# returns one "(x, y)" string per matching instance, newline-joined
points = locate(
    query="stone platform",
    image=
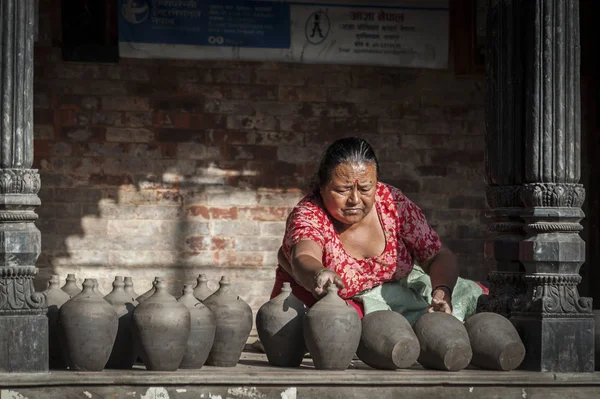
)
(254, 378)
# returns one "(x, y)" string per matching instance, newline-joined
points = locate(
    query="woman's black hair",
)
(345, 150)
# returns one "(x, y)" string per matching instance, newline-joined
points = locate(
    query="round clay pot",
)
(388, 341)
(234, 322)
(129, 288)
(444, 342)
(279, 326)
(202, 330)
(55, 298)
(201, 292)
(123, 353)
(96, 289)
(70, 286)
(150, 292)
(161, 329)
(90, 327)
(495, 342)
(332, 330)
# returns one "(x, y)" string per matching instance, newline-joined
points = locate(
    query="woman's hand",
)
(441, 301)
(323, 278)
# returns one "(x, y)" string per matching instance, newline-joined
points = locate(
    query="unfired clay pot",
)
(70, 286)
(202, 331)
(201, 292)
(90, 327)
(332, 330)
(161, 330)
(96, 288)
(234, 322)
(387, 341)
(495, 342)
(55, 298)
(444, 342)
(279, 327)
(150, 292)
(129, 288)
(123, 353)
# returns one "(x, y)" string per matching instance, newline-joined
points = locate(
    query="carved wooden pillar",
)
(533, 170)
(23, 322)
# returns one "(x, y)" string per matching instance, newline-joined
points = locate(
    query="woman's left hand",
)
(440, 302)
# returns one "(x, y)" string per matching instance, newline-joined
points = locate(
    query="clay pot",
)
(161, 330)
(234, 322)
(90, 327)
(444, 342)
(279, 326)
(129, 288)
(150, 292)
(55, 298)
(202, 330)
(387, 341)
(495, 342)
(96, 289)
(70, 286)
(332, 330)
(123, 352)
(201, 292)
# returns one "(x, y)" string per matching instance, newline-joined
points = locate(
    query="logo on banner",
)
(135, 11)
(317, 27)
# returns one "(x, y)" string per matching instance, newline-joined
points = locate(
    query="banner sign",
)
(285, 31)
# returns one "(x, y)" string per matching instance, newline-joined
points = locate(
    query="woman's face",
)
(350, 193)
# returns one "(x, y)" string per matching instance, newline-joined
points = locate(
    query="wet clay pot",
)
(387, 341)
(129, 288)
(150, 292)
(332, 330)
(495, 342)
(444, 342)
(202, 330)
(201, 292)
(161, 330)
(55, 298)
(90, 327)
(70, 286)
(234, 322)
(279, 326)
(123, 352)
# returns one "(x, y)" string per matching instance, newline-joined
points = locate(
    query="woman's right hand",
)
(323, 278)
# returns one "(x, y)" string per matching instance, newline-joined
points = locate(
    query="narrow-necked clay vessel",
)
(201, 292)
(129, 288)
(123, 353)
(150, 292)
(495, 342)
(90, 327)
(55, 298)
(234, 322)
(96, 289)
(332, 331)
(279, 327)
(70, 286)
(162, 329)
(388, 341)
(202, 331)
(444, 342)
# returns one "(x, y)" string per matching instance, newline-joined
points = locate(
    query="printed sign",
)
(285, 31)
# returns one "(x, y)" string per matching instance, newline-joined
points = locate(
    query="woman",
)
(365, 236)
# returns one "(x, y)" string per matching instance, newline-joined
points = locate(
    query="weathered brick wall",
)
(171, 168)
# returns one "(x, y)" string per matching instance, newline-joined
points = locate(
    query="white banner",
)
(407, 34)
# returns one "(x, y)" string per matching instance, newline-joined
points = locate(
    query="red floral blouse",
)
(408, 238)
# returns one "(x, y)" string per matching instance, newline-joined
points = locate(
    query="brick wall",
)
(171, 168)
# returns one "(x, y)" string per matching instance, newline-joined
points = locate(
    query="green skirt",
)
(412, 295)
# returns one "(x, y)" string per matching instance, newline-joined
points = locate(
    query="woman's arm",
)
(443, 271)
(307, 269)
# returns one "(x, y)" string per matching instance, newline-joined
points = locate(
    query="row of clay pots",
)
(89, 332)
(332, 332)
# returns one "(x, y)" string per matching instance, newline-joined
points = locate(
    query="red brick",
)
(208, 243)
(200, 89)
(99, 179)
(292, 93)
(182, 135)
(212, 213)
(328, 109)
(185, 104)
(237, 75)
(263, 213)
(239, 259)
(43, 116)
(235, 107)
(291, 77)
(128, 103)
(252, 122)
(249, 152)
(250, 92)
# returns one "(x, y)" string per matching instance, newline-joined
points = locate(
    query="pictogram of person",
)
(317, 26)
